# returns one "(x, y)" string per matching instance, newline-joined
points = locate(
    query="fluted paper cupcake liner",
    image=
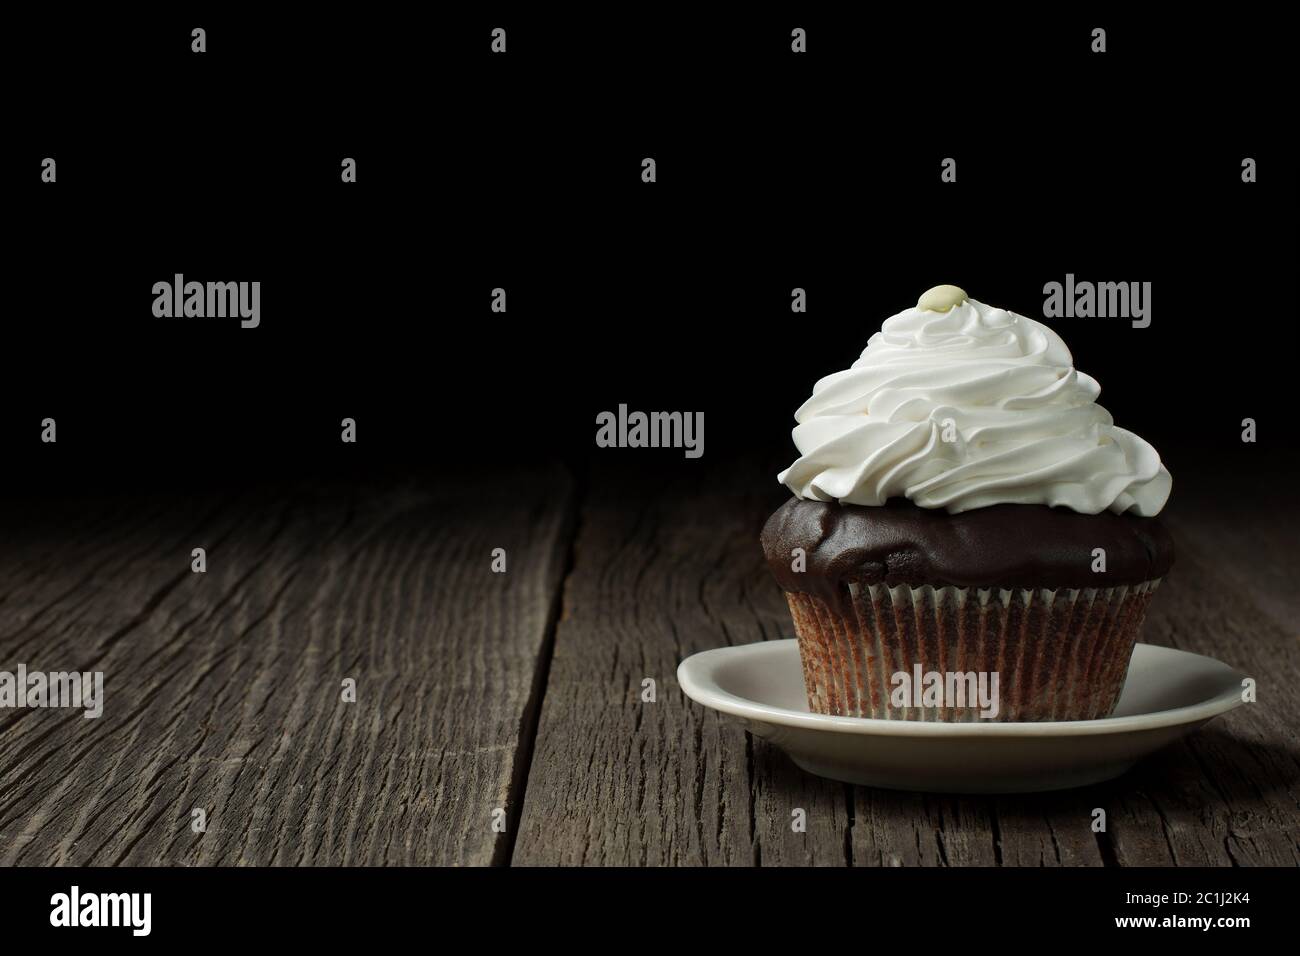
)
(1058, 654)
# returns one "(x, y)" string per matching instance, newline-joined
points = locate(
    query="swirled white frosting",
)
(965, 408)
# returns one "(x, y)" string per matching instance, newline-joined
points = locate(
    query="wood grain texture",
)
(666, 567)
(663, 568)
(223, 689)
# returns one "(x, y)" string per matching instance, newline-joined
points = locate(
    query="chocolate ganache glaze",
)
(1006, 546)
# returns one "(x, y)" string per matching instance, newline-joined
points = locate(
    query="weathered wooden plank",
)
(1047, 829)
(223, 690)
(893, 828)
(666, 564)
(912, 829)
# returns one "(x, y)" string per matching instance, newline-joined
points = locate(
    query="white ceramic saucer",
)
(1168, 694)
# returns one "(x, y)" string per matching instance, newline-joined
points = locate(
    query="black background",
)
(522, 171)
(592, 911)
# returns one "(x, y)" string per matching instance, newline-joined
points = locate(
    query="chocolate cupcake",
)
(971, 535)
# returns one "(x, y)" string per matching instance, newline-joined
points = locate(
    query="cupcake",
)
(971, 536)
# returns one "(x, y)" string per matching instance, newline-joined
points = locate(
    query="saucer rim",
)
(694, 675)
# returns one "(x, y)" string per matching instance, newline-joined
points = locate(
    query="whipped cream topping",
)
(964, 408)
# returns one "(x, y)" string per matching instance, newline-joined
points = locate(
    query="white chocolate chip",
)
(940, 299)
